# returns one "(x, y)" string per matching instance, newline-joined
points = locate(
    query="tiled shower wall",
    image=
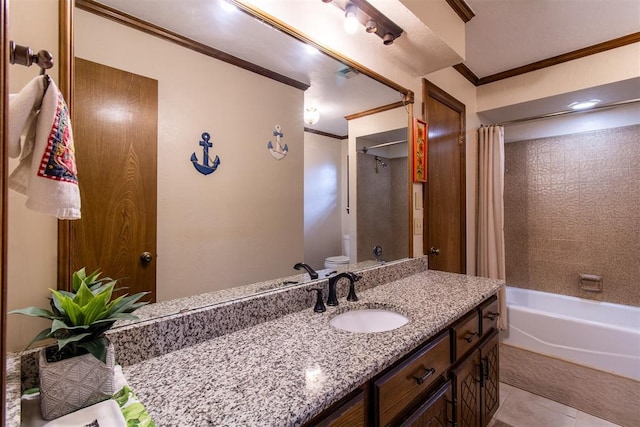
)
(572, 206)
(382, 208)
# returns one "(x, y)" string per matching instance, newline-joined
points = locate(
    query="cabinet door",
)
(490, 379)
(467, 391)
(435, 412)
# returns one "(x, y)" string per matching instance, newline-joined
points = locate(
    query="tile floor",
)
(519, 408)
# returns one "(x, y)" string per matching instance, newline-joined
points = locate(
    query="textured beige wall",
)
(572, 206)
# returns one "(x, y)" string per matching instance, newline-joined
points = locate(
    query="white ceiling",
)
(506, 34)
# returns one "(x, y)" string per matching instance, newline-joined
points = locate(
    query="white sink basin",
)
(369, 320)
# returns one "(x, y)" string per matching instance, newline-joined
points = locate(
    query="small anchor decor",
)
(205, 168)
(278, 152)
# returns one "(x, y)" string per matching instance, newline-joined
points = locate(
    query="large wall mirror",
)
(285, 189)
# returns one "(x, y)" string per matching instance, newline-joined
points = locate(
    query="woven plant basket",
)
(74, 383)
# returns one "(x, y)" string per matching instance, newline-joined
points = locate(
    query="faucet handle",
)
(319, 308)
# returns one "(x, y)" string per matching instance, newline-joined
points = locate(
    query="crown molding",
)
(555, 60)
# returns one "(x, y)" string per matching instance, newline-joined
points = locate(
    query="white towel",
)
(40, 133)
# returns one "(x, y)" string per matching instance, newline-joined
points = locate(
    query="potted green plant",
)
(79, 372)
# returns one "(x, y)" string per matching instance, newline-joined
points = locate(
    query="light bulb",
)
(350, 19)
(311, 115)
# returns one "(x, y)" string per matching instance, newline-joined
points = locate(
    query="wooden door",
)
(445, 198)
(115, 124)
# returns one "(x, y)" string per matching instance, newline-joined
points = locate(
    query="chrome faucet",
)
(311, 271)
(332, 299)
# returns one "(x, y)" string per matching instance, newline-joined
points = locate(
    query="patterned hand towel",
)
(40, 133)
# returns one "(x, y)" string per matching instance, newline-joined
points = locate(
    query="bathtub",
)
(600, 335)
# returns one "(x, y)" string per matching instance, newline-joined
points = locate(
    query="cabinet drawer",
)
(396, 390)
(465, 334)
(489, 313)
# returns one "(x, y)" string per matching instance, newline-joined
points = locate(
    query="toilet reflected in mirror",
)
(335, 262)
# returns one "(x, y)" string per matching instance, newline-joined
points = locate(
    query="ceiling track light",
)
(361, 12)
(371, 26)
(351, 22)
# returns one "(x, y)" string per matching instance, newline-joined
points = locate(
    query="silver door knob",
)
(146, 257)
(434, 251)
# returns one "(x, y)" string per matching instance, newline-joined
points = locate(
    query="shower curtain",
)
(490, 258)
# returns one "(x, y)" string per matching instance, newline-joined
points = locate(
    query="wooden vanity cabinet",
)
(451, 380)
(475, 374)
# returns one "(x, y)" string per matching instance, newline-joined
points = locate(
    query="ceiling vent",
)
(348, 72)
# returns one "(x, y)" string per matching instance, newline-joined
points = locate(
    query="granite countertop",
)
(287, 370)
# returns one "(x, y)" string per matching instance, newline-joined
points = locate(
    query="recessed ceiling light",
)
(583, 105)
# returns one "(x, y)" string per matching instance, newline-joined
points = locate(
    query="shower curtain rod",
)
(566, 112)
(385, 144)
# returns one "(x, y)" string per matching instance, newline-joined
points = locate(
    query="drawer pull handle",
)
(492, 316)
(469, 336)
(426, 375)
(485, 368)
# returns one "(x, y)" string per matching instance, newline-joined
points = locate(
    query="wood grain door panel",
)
(115, 118)
(445, 197)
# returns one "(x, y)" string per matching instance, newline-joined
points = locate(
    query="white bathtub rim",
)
(573, 318)
(618, 315)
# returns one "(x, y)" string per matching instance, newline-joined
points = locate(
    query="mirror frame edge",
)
(4, 85)
(66, 67)
(65, 71)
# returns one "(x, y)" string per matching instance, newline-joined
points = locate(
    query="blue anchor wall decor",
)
(205, 168)
(278, 152)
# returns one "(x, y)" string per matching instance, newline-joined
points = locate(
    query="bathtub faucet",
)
(301, 265)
